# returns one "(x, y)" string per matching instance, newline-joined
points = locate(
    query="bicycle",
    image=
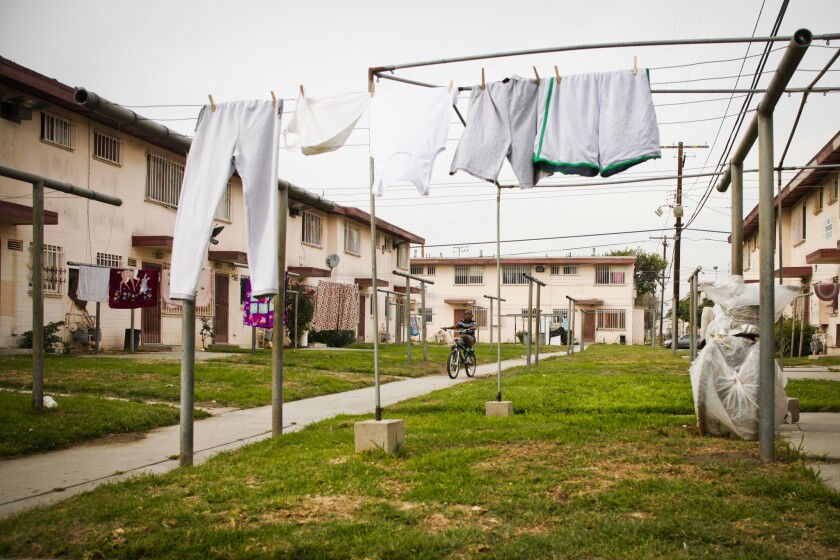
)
(460, 355)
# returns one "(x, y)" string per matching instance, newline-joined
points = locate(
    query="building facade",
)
(810, 242)
(602, 287)
(43, 131)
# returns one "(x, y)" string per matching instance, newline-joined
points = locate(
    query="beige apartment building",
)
(810, 240)
(602, 286)
(43, 131)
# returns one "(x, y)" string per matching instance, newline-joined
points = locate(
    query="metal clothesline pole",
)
(423, 283)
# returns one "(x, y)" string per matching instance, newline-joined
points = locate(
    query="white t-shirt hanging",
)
(323, 124)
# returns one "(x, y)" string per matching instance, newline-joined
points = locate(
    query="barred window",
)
(107, 147)
(430, 271)
(558, 314)
(610, 319)
(570, 270)
(798, 218)
(525, 312)
(818, 201)
(555, 270)
(833, 189)
(164, 176)
(175, 310)
(57, 130)
(104, 259)
(223, 209)
(429, 313)
(352, 238)
(513, 274)
(311, 232)
(53, 267)
(465, 275)
(416, 269)
(605, 274)
(402, 256)
(480, 316)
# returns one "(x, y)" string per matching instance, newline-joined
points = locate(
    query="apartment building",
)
(602, 286)
(44, 131)
(810, 246)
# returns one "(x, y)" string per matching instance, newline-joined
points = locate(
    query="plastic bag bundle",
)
(740, 301)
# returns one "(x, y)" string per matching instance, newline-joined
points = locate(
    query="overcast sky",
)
(163, 58)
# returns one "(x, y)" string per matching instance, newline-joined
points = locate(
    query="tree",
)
(685, 309)
(649, 267)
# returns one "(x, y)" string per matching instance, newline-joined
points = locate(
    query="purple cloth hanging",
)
(130, 288)
(258, 312)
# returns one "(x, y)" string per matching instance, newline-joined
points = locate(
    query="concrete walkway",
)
(50, 477)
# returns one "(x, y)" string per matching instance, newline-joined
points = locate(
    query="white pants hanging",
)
(241, 136)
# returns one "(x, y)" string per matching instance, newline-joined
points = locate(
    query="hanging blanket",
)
(827, 291)
(132, 288)
(336, 307)
(258, 312)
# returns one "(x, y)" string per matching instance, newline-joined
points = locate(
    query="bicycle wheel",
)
(469, 363)
(453, 364)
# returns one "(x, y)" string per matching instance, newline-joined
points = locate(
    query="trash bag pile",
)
(725, 374)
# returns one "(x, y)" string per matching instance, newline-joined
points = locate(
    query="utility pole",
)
(662, 299)
(678, 212)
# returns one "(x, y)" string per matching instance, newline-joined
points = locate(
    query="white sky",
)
(172, 54)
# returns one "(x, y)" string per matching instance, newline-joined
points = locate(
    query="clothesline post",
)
(253, 339)
(279, 328)
(423, 283)
(38, 296)
(98, 335)
(531, 282)
(187, 380)
(375, 284)
(408, 319)
(499, 407)
(423, 319)
(131, 334)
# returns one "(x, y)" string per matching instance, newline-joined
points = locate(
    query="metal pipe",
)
(279, 330)
(253, 339)
(539, 314)
(767, 369)
(423, 319)
(407, 320)
(675, 312)
(377, 71)
(59, 186)
(297, 308)
(378, 407)
(38, 296)
(792, 328)
(530, 318)
(798, 45)
(98, 333)
(692, 280)
(129, 119)
(737, 239)
(303, 196)
(653, 328)
(499, 290)
(187, 380)
(131, 347)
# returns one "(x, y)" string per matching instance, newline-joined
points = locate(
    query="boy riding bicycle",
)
(467, 327)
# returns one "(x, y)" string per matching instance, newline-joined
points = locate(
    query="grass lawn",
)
(77, 418)
(602, 459)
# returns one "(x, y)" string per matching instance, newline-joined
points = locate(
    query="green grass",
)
(77, 418)
(600, 460)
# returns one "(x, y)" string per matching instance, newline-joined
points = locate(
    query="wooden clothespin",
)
(451, 83)
(372, 87)
(302, 92)
(212, 103)
(273, 99)
(537, 74)
(557, 74)
(634, 65)
(482, 78)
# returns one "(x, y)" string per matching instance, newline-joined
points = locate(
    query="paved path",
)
(51, 477)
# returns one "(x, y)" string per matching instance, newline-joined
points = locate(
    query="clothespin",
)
(273, 99)
(372, 87)
(302, 93)
(212, 103)
(482, 78)
(537, 74)
(634, 65)
(557, 74)
(451, 83)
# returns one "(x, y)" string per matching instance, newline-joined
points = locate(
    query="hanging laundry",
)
(132, 288)
(93, 283)
(203, 293)
(595, 123)
(502, 124)
(258, 312)
(408, 130)
(414, 325)
(827, 291)
(73, 293)
(336, 307)
(241, 136)
(322, 124)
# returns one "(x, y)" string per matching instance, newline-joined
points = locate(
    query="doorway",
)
(588, 326)
(220, 311)
(150, 317)
(362, 318)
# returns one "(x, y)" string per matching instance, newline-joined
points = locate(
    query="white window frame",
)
(558, 314)
(107, 147)
(105, 259)
(164, 176)
(605, 323)
(469, 275)
(352, 238)
(512, 274)
(57, 130)
(797, 225)
(312, 227)
(223, 209)
(604, 275)
(403, 260)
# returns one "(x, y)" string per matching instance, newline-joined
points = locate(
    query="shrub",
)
(334, 338)
(305, 308)
(50, 338)
(807, 336)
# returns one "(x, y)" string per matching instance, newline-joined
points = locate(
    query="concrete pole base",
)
(499, 408)
(385, 435)
(793, 409)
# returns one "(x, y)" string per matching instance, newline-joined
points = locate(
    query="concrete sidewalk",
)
(817, 434)
(51, 477)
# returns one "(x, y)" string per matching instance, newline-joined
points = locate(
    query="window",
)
(747, 259)
(53, 270)
(513, 274)
(104, 259)
(430, 271)
(570, 270)
(605, 274)
(480, 316)
(818, 201)
(352, 238)
(558, 315)
(311, 232)
(610, 319)
(402, 256)
(525, 312)
(107, 147)
(798, 225)
(472, 274)
(57, 130)
(555, 270)
(164, 176)
(223, 209)
(429, 313)
(416, 269)
(833, 189)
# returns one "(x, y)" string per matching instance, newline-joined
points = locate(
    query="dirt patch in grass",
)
(721, 457)
(458, 515)
(315, 509)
